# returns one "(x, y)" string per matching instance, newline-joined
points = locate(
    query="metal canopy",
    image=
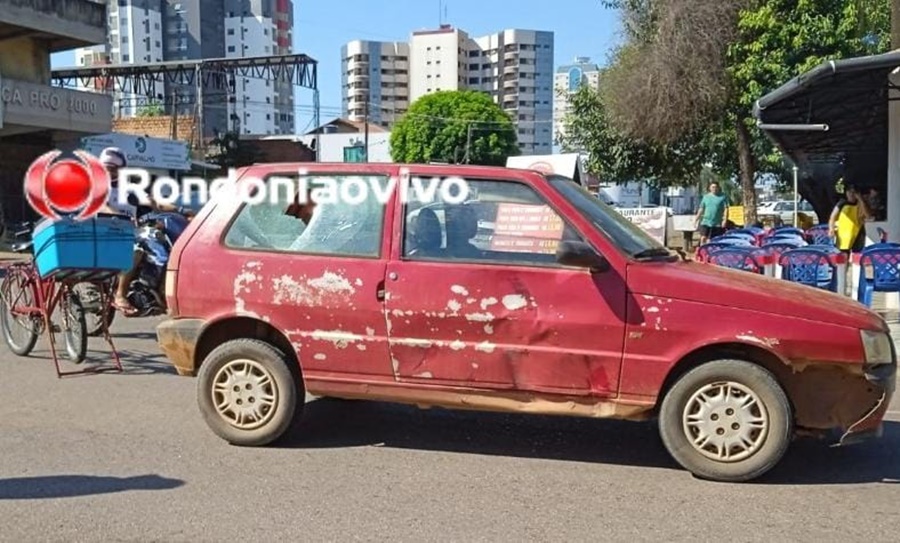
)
(299, 70)
(835, 114)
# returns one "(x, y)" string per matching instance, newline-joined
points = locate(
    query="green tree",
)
(697, 66)
(151, 109)
(456, 127)
(613, 157)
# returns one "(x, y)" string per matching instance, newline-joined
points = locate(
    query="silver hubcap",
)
(245, 394)
(725, 421)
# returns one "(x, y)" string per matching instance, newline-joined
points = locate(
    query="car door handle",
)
(379, 292)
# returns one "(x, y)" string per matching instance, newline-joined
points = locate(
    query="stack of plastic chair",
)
(707, 249)
(737, 258)
(818, 235)
(809, 266)
(884, 258)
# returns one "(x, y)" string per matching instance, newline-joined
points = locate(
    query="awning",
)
(833, 114)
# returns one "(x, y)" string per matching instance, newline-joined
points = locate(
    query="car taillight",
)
(171, 282)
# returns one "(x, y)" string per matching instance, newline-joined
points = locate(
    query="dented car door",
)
(475, 298)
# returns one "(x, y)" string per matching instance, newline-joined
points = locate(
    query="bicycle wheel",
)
(74, 328)
(20, 329)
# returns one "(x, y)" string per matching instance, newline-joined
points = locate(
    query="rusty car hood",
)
(716, 285)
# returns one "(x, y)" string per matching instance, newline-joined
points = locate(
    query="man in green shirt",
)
(713, 214)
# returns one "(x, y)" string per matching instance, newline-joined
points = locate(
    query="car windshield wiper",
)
(652, 252)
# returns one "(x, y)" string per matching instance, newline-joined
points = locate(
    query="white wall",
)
(332, 146)
(254, 98)
(434, 62)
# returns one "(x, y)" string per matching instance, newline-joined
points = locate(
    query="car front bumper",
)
(883, 378)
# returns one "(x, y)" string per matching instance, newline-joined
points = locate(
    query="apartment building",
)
(514, 66)
(568, 80)
(375, 76)
(148, 31)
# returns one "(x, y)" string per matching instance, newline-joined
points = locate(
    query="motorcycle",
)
(156, 235)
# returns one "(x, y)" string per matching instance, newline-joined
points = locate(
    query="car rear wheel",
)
(726, 420)
(248, 394)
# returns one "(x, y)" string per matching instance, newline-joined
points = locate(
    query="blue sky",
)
(322, 27)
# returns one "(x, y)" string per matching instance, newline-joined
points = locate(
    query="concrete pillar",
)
(892, 202)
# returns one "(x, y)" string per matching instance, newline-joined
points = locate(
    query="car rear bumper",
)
(177, 339)
(869, 426)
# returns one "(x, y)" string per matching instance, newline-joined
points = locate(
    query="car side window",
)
(318, 221)
(500, 222)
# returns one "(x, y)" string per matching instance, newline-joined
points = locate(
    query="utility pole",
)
(175, 116)
(366, 140)
(199, 76)
(796, 196)
(467, 158)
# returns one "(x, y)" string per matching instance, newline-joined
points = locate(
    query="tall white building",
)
(147, 31)
(375, 81)
(514, 66)
(568, 80)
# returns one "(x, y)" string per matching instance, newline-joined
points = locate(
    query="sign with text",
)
(651, 220)
(31, 104)
(142, 151)
(524, 228)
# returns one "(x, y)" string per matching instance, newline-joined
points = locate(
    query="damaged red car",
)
(528, 295)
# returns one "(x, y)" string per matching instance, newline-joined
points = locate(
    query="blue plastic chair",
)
(885, 262)
(754, 232)
(818, 235)
(707, 249)
(788, 230)
(734, 240)
(809, 266)
(737, 258)
(789, 240)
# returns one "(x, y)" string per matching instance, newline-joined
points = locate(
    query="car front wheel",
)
(248, 394)
(726, 420)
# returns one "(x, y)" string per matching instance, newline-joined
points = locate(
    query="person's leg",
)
(125, 280)
(704, 234)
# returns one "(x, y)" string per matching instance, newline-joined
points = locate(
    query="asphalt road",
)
(126, 457)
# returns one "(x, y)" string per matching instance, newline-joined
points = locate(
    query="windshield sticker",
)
(522, 228)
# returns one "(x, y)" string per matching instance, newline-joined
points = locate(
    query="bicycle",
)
(29, 303)
(88, 293)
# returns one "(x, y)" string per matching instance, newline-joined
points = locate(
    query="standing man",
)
(713, 214)
(847, 222)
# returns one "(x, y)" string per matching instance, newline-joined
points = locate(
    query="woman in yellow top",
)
(847, 222)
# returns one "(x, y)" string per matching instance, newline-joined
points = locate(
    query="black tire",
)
(768, 446)
(286, 385)
(74, 329)
(15, 290)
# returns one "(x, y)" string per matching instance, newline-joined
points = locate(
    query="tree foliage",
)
(613, 157)
(152, 109)
(689, 71)
(463, 126)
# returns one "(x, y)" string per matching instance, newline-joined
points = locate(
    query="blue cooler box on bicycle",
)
(101, 244)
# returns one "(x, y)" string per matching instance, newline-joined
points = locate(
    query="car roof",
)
(499, 172)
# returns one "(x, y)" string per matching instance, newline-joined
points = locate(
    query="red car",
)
(531, 296)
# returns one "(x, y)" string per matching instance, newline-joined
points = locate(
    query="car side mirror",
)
(581, 255)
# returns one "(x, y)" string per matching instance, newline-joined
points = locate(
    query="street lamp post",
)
(796, 201)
